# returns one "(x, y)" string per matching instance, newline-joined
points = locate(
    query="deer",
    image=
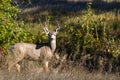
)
(44, 51)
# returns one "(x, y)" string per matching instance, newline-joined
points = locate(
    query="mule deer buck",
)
(35, 51)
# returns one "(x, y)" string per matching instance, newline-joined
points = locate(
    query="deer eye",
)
(49, 34)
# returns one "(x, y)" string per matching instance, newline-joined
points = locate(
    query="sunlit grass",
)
(32, 73)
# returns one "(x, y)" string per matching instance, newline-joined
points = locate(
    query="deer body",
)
(42, 51)
(32, 50)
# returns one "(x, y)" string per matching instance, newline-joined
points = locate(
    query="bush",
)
(93, 40)
(11, 30)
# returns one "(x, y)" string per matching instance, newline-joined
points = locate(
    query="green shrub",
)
(11, 30)
(90, 33)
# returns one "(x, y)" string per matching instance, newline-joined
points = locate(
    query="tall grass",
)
(34, 74)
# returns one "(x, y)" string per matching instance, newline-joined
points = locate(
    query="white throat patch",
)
(53, 41)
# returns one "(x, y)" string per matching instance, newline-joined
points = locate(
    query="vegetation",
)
(91, 39)
(11, 27)
(93, 36)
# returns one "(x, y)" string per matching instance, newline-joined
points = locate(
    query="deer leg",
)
(46, 66)
(18, 67)
(11, 64)
(14, 62)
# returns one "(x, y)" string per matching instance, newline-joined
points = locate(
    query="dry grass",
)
(30, 70)
(77, 75)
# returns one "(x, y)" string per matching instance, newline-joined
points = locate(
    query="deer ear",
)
(46, 30)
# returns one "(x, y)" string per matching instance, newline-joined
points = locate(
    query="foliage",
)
(10, 26)
(90, 35)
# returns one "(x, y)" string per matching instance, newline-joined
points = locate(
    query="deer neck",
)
(53, 45)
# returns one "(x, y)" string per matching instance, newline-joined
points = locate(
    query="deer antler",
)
(58, 28)
(46, 29)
